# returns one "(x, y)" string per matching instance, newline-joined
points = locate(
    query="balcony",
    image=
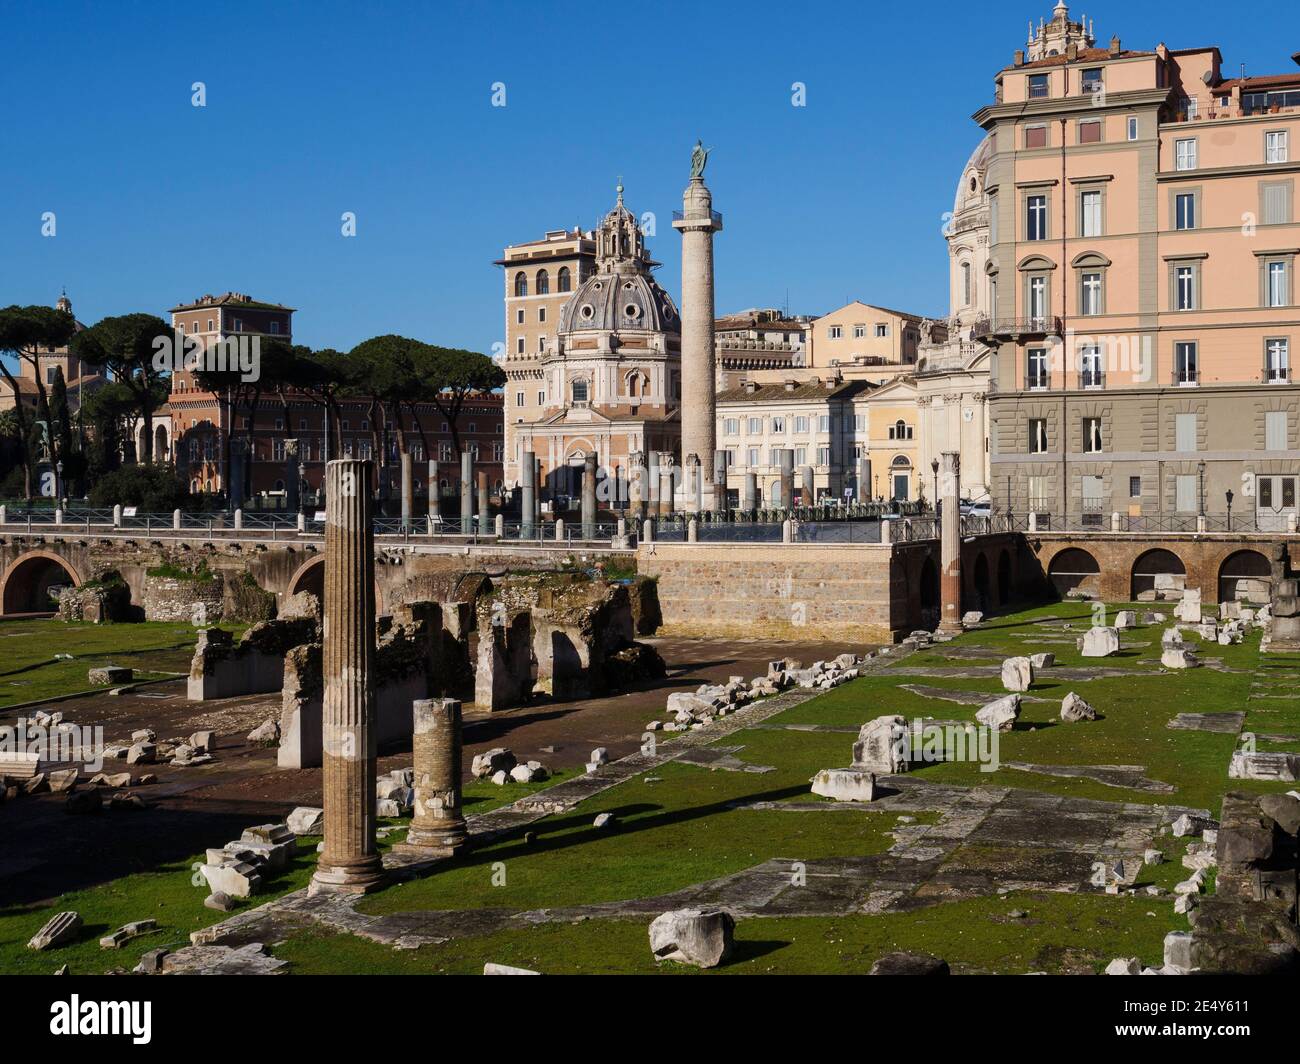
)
(990, 330)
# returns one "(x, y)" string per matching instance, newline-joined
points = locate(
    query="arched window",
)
(965, 284)
(543, 283)
(580, 391)
(521, 283)
(564, 283)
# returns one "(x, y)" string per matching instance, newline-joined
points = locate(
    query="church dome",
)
(621, 296)
(970, 186)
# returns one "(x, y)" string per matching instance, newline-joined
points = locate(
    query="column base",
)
(349, 879)
(438, 841)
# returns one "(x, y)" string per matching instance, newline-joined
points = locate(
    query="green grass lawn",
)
(678, 825)
(29, 671)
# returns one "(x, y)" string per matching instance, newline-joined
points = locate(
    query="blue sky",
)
(385, 110)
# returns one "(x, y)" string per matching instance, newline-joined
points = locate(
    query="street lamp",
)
(934, 468)
(1227, 495)
(58, 482)
(1200, 470)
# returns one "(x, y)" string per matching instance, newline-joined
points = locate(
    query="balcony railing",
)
(988, 329)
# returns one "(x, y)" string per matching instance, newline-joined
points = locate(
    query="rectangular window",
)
(835, 332)
(755, 426)
(751, 457)
(1276, 289)
(1036, 218)
(1090, 488)
(519, 316)
(1186, 369)
(1036, 367)
(882, 331)
(731, 426)
(1185, 288)
(1275, 430)
(801, 425)
(1185, 493)
(541, 398)
(1090, 213)
(1090, 293)
(1090, 373)
(1185, 432)
(778, 424)
(541, 314)
(1277, 360)
(1037, 491)
(1038, 299)
(1090, 132)
(993, 219)
(1276, 197)
(1132, 127)
(1185, 210)
(823, 456)
(800, 456)
(1092, 435)
(1038, 86)
(1275, 147)
(1090, 80)
(824, 423)
(859, 332)
(1135, 487)
(1035, 136)
(1185, 154)
(519, 398)
(1037, 435)
(519, 345)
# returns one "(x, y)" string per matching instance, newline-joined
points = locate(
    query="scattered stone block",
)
(151, 962)
(882, 746)
(845, 784)
(1000, 714)
(1100, 642)
(61, 780)
(1189, 826)
(1042, 661)
(1124, 966)
(307, 820)
(126, 932)
(1178, 657)
(58, 930)
(1259, 765)
(143, 753)
(82, 802)
(693, 936)
(204, 741)
(266, 733)
(905, 963)
(110, 674)
(239, 879)
(971, 618)
(505, 969)
(220, 901)
(490, 762)
(1185, 903)
(1125, 619)
(1074, 708)
(1017, 674)
(605, 820)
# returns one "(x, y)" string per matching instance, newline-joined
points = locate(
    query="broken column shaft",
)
(439, 825)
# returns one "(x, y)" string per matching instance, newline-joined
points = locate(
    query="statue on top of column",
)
(699, 159)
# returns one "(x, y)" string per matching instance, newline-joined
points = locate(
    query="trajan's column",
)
(698, 222)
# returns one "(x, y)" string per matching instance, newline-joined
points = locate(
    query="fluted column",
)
(482, 485)
(785, 478)
(950, 543)
(406, 472)
(350, 862)
(589, 496)
(438, 825)
(528, 494)
(434, 489)
(665, 482)
(636, 486)
(466, 490)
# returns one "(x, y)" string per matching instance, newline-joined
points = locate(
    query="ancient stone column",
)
(528, 494)
(589, 496)
(406, 472)
(749, 496)
(719, 480)
(466, 490)
(785, 478)
(697, 225)
(865, 494)
(537, 495)
(438, 826)
(434, 489)
(806, 490)
(350, 862)
(665, 482)
(950, 531)
(692, 489)
(636, 486)
(482, 502)
(292, 485)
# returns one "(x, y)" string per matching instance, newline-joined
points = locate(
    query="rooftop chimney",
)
(1020, 57)
(1114, 45)
(791, 385)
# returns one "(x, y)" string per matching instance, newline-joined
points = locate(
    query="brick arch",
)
(1071, 566)
(302, 581)
(1154, 563)
(1256, 571)
(19, 578)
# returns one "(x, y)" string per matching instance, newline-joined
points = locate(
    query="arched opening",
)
(521, 283)
(1075, 570)
(1004, 578)
(563, 282)
(33, 583)
(900, 478)
(1245, 576)
(982, 583)
(543, 283)
(311, 577)
(1158, 574)
(929, 592)
(160, 443)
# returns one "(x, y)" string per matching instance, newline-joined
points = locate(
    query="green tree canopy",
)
(128, 347)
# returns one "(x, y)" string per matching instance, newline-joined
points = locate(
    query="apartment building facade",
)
(1141, 283)
(864, 342)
